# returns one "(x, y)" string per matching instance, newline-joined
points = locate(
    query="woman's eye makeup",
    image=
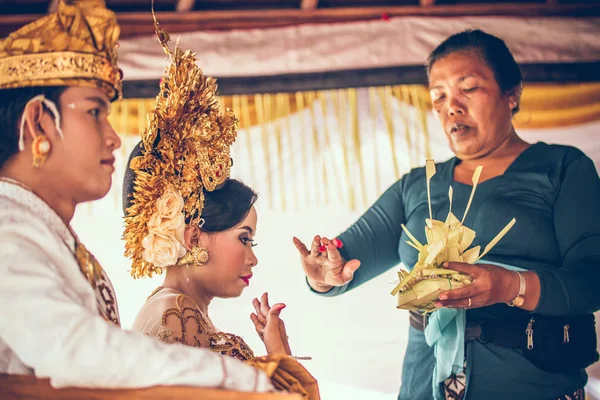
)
(246, 240)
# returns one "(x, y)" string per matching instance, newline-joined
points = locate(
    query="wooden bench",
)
(31, 388)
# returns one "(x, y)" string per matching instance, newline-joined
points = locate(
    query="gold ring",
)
(469, 302)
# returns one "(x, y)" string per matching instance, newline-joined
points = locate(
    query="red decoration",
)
(337, 243)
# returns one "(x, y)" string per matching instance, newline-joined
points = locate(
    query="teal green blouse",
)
(553, 191)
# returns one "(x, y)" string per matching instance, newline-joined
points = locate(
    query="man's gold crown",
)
(76, 46)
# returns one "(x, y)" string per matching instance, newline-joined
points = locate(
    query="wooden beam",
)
(388, 76)
(309, 4)
(185, 5)
(140, 23)
(14, 387)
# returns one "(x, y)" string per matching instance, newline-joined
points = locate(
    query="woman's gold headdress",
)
(76, 46)
(185, 150)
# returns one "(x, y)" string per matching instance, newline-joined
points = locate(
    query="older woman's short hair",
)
(490, 49)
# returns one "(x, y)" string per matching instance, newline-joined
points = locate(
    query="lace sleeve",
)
(182, 322)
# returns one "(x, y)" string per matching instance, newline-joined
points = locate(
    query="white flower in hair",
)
(163, 245)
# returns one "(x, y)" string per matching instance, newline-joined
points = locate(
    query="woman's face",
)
(231, 259)
(474, 113)
(84, 160)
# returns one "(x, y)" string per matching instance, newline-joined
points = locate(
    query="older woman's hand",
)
(491, 284)
(323, 265)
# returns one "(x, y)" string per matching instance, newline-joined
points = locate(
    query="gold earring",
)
(197, 256)
(40, 148)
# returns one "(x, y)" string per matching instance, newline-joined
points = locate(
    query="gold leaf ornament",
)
(186, 146)
(447, 241)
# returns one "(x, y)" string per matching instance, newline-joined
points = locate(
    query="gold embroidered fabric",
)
(76, 46)
(185, 324)
(286, 373)
(106, 300)
(92, 270)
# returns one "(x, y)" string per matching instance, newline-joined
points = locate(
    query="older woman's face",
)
(466, 99)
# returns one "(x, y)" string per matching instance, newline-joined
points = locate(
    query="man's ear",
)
(37, 120)
(32, 120)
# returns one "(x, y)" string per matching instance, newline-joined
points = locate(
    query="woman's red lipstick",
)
(246, 279)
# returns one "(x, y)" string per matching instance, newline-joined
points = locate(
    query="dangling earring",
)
(40, 148)
(197, 256)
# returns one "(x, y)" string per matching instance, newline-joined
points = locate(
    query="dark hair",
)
(224, 207)
(490, 49)
(12, 103)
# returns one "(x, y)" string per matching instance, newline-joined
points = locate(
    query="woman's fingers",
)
(264, 304)
(301, 247)
(467, 302)
(314, 248)
(333, 254)
(257, 307)
(273, 316)
(257, 325)
(348, 270)
(460, 293)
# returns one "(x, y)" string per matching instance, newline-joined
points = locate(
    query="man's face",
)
(84, 160)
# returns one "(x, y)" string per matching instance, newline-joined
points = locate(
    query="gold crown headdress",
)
(446, 241)
(185, 150)
(76, 46)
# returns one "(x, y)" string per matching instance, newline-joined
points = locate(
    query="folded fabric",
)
(287, 374)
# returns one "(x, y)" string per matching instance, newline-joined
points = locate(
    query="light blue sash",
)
(445, 332)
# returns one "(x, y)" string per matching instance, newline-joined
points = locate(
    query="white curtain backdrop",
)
(361, 44)
(357, 341)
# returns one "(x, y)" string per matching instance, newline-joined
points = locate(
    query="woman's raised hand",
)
(323, 265)
(269, 326)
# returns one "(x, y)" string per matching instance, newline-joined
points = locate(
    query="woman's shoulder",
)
(169, 300)
(162, 303)
(169, 315)
(553, 158)
(554, 152)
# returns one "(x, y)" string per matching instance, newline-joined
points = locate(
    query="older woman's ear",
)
(515, 98)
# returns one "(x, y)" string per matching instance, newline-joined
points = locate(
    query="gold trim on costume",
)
(200, 334)
(74, 46)
(42, 69)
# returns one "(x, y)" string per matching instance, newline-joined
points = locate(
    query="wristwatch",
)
(520, 299)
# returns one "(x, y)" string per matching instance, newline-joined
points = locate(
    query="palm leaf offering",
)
(446, 241)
